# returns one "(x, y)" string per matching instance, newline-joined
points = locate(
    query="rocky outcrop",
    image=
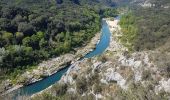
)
(164, 84)
(44, 69)
(107, 70)
(5, 85)
(117, 67)
(111, 75)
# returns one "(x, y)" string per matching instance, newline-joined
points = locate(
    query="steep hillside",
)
(34, 31)
(117, 74)
(149, 3)
(147, 25)
(45, 3)
(136, 65)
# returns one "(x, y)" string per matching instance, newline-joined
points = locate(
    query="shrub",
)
(97, 88)
(81, 85)
(146, 75)
(60, 89)
(44, 96)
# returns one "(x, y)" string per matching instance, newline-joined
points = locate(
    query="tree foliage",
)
(29, 33)
(146, 28)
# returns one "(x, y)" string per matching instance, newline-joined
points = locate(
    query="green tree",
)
(19, 36)
(27, 41)
(43, 43)
(35, 41)
(26, 28)
(7, 36)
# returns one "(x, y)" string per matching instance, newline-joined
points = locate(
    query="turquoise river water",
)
(46, 82)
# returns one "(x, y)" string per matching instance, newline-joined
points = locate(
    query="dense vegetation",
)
(129, 30)
(33, 31)
(142, 29)
(146, 28)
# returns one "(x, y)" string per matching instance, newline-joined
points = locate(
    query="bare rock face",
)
(164, 84)
(7, 84)
(111, 75)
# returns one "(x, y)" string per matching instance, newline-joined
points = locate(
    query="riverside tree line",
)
(34, 31)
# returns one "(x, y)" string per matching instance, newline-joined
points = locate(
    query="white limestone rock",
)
(163, 84)
(115, 76)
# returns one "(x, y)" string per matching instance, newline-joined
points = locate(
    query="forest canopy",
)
(32, 31)
(146, 28)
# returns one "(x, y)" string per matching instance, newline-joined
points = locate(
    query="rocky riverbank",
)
(118, 70)
(104, 63)
(81, 52)
(116, 74)
(49, 67)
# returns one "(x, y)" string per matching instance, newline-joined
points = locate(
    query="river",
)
(46, 82)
